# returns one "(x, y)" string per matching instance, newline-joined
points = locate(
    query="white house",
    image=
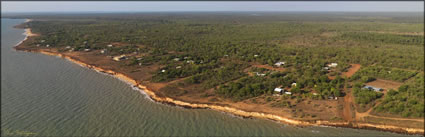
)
(280, 63)
(110, 45)
(47, 45)
(118, 58)
(294, 84)
(260, 74)
(288, 93)
(103, 51)
(280, 90)
(176, 59)
(332, 65)
(255, 55)
(163, 70)
(86, 50)
(67, 47)
(373, 88)
(178, 67)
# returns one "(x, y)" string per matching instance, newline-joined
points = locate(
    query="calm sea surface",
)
(49, 96)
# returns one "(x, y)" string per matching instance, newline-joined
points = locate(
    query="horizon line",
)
(193, 11)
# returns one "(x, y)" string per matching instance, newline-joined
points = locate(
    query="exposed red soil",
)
(352, 70)
(142, 74)
(385, 84)
(347, 110)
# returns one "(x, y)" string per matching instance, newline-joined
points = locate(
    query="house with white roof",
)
(332, 65)
(279, 90)
(103, 51)
(373, 88)
(280, 63)
(260, 74)
(118, 58)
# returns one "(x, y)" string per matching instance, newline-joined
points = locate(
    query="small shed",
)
(314, 93)
(103, 51)
(279, 90)
(372, 88)
(260, 74)
(118, 58)
(280, 63)
(332, 65)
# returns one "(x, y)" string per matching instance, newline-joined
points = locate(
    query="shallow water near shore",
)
(49, 96)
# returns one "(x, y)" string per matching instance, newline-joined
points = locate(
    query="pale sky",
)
(149, 6)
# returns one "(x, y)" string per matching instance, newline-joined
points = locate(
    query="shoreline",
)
(166, 100)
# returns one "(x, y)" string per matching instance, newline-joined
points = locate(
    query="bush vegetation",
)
(214, 49)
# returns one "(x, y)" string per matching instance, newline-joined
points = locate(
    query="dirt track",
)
(354, 68)
(268, 67)
(347, 110)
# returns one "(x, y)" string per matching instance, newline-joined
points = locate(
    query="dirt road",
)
(351, 71)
